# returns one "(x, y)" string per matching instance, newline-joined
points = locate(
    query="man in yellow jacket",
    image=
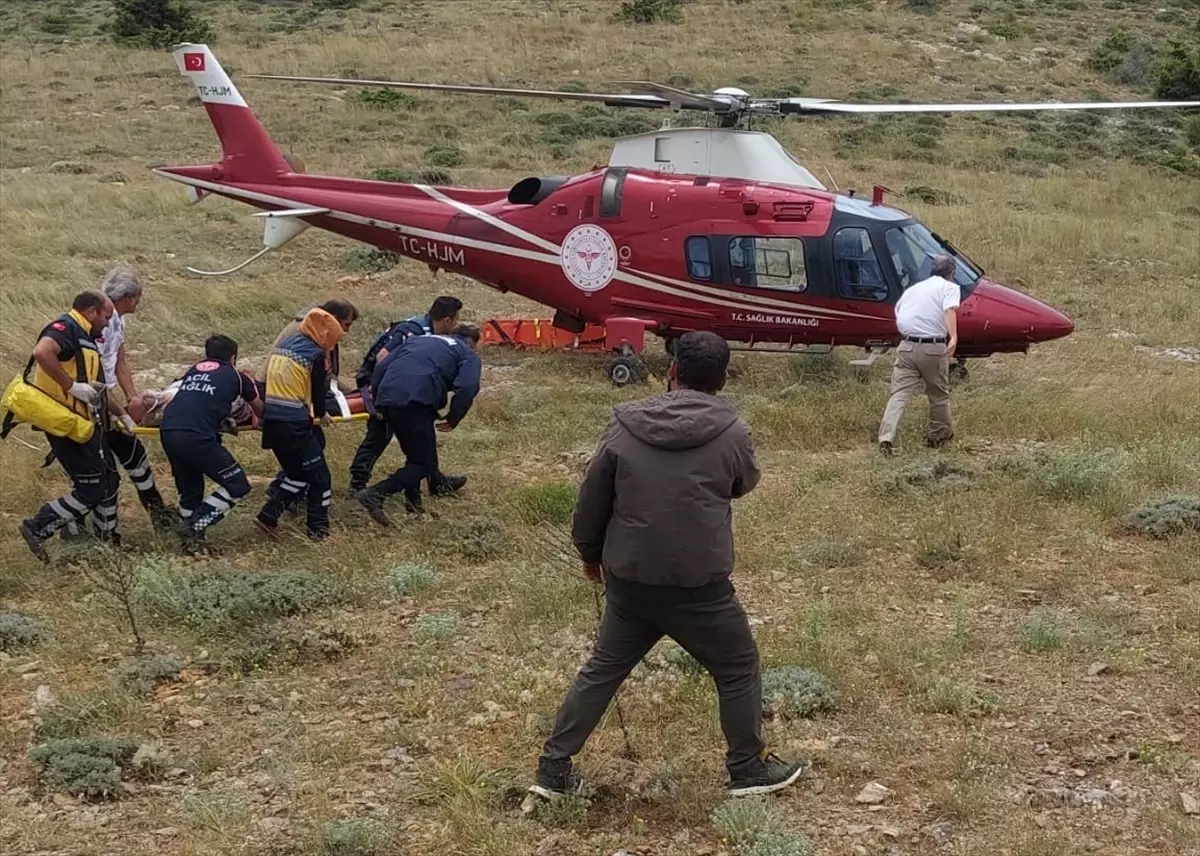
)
(68, 369)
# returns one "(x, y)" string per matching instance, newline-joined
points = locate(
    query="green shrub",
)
(793, 692)
(939, 553)
(651, 11)
(1191, 132)
(567, 810)
(89, 768)
(445, 156)
(142, 674)
(1177, 75)
(752, 828)
(1111, 52)
(1162, 518)
(383, 98)
(370, 260)
(830, 553)
(352, 837)
(938, 473)
(680, 660)
(551, 502)
(229, 599)
(431, 625)
(958, 698)
(404, 580)
(477, 540)
(923, 7)
(21, 631)
(932, 195)
(157, 23)
(293, 646)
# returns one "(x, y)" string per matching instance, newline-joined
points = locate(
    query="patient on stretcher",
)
(147, 408)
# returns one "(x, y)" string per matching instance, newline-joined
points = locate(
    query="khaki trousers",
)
(917, 367)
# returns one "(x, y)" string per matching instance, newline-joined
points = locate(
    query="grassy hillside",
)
(1017, 667)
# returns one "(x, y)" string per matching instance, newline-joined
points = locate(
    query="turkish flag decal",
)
(193, 62)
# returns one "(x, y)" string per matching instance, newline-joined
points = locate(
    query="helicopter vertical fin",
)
(249, 152)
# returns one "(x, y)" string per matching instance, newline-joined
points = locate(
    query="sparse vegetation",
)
(1040, 633)
(370, 260)
(21, 631)
(384, 99)
(752, 828)
(552, 502)
(90, 768)
(651, 11)
(1077, 475)
(352, 837)
(476, 540)
(435, 626)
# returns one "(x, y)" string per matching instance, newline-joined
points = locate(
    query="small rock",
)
(295, 697)
(273, 824)
(940, 834)
(69, 168)
(195, 723)
(44, 697)
(254, 709)
(167, 831)
(1098, 668)
(969, 28)
(1189, 803)
(872, 794)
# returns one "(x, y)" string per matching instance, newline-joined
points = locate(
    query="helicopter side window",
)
(777, 263)
(610, 193)
(698, 251)
(859, 276)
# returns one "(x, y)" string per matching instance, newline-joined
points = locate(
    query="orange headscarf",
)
(322, 328)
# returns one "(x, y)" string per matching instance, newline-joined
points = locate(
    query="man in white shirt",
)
(927, 318)
(122, 287)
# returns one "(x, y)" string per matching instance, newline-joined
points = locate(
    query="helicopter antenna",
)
(832, 180)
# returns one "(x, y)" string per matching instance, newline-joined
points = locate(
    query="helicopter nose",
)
(1005, 314)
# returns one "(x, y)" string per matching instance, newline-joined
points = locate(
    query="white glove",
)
(85, 392)
(129, 424)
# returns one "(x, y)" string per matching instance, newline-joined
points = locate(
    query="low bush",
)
(830, 553)
(431, 625)
(937, 473)
(83, 714)
(412, 176)
(679, 659)
(404, 580)
(230, 599)
(1177, 74)
(1077, 474)
(792, 692)
(88, 768)
(157, 23)
(1040, 633)
(383, 99)
(21, 631)
(650, 11)
(1162, 518)
(370, 260)
(751, 827)
(476, 540)
(142, 674)
(352, 837)
(932, 195)
(445, 156)
(293, 646)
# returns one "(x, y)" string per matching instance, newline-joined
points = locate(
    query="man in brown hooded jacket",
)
(653, 524)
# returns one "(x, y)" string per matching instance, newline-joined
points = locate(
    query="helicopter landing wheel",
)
(958, 371)
(626, 370)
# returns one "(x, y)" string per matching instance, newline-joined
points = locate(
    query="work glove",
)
(130, 425)
(85, 392)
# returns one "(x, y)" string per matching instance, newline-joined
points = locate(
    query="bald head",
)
(942, 266)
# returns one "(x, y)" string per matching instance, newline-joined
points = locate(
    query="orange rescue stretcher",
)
(540, 333)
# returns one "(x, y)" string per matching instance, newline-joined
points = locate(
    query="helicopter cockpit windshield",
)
(912, 248)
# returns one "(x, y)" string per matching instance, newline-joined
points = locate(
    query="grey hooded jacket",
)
(654, 506)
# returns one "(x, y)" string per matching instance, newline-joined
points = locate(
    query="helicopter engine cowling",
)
(531, 191)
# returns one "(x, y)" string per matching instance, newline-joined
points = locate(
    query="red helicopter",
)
(684, 229)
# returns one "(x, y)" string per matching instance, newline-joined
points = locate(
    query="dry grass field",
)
(1020, 670)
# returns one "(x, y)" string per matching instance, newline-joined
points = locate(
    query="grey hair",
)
(121, 282)
(942, 265)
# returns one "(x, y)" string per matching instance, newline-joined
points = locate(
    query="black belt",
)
(926, 340)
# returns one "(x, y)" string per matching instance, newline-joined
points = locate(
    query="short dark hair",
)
(86, 300)
(466, 331)
(342, 310)
(444, 307)
(219, 347)
(701, 360)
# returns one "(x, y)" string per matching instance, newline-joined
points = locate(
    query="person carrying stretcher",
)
(191, 436)
(295, 395)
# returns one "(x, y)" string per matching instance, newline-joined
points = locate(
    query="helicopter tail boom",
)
(249, 153)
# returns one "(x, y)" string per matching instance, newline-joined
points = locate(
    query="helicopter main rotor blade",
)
(680, 97)
(820, 105)
(612, 100)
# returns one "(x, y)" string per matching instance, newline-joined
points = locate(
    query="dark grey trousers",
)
(708, 622)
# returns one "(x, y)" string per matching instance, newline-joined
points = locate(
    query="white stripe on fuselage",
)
(746, 303)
